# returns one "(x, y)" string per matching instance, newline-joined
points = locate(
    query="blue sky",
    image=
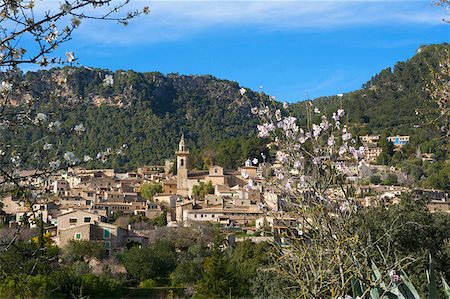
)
(295, 50)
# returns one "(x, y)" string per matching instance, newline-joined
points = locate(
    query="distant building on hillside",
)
(371, 148)
(398, 141)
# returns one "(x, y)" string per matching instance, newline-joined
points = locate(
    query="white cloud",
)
(174, 20)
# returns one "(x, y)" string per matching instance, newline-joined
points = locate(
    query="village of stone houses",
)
(84, 204)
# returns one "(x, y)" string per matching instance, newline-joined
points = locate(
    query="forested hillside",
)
(149, 111)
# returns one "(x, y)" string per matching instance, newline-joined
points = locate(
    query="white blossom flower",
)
(66, 7)
(394, 276)
(357, 153)
(70, 57)
(242, 91)
(40, 118)
(17, 53)
(285, 105)
(340, 166)
(272, 98)
(264, 111)
(265, 129)
(87, 158)
(278, 115)
(331, 141)
(255, 161)
(316, 130)
(324, 124)
(340, 112)
(47, 146)
(282, 156)
(79, 128)
(71, 158)
(298, 163)
(288, 185)
(344, 207)
(52, 36)
(16, 160)
(54, 125)
(343, 149)
(254, 110)
(108, 81)
(5, 86)
(250, 183)
(75, 21)
(316, 110)
(346, 136)
(288, 124)
(54, 165)
(302, 179)
(244, 174)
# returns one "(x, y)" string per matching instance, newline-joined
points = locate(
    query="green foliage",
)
(230, 153)
(24, 286)
(270, 284)
(25, 258)
(187, 272)
(58, 284)
(408, 230)
(155, 261)
(246, 258)
(83, 250)
(202, 189)
(387, 151)
(148, 190)
(156, 108)
(160, 220)
(218, 281)
(375, 179)
(391, 179)
(438, 176)
(148, 284)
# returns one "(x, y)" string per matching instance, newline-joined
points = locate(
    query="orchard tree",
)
(30, 33)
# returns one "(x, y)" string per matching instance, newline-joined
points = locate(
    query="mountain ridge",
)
(150, 110)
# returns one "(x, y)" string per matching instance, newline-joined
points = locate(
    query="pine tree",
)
(217, 281)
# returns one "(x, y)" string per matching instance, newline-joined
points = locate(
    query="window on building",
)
(107, 244)
(87, 219)
(73, 220)
(106, 233)
(78, 236)
(182, 162)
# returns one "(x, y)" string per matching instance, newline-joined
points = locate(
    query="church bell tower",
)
(182, 171)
